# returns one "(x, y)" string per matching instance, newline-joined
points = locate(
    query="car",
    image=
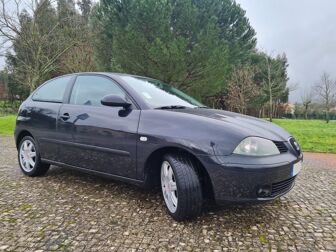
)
(145, 132)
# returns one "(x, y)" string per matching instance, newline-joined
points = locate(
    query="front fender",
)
(197, 135)
(154, 144)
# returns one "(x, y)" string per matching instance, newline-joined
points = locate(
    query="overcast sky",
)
(304, 29)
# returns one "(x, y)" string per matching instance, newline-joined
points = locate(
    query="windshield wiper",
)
(172, 107)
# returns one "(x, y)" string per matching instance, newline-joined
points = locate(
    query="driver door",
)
(100, 138)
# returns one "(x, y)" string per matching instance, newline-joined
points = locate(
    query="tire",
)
(186, 201)
(28, 150)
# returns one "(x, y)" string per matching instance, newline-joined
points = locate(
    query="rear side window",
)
(52, 91)
(89, 90)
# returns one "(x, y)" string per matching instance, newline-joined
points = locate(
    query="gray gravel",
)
(69, 211)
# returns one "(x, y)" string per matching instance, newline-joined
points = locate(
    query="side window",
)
(89, 90)
(52, 91)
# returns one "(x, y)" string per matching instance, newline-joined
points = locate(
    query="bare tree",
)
(275, 83)
(78, 59)
(306, 99)
(326, 90)
(42, 49)
(242, 89)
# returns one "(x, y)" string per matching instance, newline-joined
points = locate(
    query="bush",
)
(9, 107)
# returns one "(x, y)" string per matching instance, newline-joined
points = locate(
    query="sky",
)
(303, 29)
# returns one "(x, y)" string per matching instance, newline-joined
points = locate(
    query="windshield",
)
(159, 95)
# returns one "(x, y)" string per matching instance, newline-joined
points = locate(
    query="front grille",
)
(295, 146)
(282, 186)
(281, 146)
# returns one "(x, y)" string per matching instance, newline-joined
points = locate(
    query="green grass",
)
(7, 125)
(312, 135)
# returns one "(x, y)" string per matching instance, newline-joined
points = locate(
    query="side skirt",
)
(97, 173)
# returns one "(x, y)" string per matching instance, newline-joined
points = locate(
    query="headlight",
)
(256, 146)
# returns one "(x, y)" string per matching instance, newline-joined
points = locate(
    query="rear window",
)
(52, 91)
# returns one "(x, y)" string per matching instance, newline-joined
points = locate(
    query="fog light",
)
(264, 191)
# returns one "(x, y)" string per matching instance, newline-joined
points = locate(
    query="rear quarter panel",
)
(39, 119)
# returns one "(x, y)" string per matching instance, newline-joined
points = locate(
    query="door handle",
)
(65, 116)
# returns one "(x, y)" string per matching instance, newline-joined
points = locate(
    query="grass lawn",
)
(312, 135)
(7, 124)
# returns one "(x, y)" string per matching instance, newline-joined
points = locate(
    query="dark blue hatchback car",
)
(145, 132)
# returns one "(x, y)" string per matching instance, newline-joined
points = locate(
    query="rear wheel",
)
(29, 158)
(181, 187)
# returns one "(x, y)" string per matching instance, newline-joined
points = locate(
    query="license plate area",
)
(296, 168)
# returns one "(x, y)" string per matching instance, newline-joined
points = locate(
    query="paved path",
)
(66, 210)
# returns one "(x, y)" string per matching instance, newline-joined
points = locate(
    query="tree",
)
(192, 45)
(35, 39)
(85, 7)
(273, 77)
(242, 90)
(74, 27)
(205, 48)
(15, 90)
(306, 99)
(326, 90)
(102, 39)
(236, 29)
(78, 59)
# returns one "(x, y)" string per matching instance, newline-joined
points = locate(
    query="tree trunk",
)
(263, 112)
(306, 112)
(327, 115)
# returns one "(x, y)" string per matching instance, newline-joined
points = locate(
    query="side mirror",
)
(115, 101)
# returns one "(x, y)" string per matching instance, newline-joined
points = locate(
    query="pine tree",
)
(189, 44)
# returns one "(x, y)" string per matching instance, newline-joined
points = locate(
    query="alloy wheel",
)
(169, 187)
(27, 155)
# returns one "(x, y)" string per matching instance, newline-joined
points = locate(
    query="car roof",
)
(111, 74)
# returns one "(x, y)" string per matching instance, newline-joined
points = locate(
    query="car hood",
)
(246, 125)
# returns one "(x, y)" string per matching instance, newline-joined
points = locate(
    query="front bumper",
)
(249, 179)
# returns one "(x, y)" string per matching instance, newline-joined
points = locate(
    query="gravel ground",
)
(69, 211)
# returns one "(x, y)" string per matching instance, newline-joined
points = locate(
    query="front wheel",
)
(181, 187)
(29, 158)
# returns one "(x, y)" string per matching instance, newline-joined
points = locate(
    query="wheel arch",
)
(153, 164)
(21, 135)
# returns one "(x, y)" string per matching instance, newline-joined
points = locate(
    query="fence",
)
(319, 116)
